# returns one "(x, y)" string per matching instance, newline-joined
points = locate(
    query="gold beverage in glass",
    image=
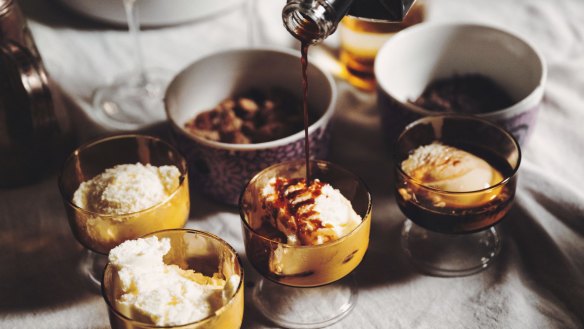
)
(190, 249)
(362, 38)
(101, 232)
(316, 268)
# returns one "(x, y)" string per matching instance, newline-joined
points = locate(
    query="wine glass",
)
(447, 232)
(253, 19)
(297, 279)
(99, 233)
(134, 100)
(190, 249)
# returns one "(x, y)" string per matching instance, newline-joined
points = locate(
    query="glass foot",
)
(449, 255)
(133, 101)
(91, 266)
(317, 307)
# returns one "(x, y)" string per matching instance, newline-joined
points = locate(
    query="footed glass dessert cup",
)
(298, 278)
(450, 229)
(100, 232)
(190, 249)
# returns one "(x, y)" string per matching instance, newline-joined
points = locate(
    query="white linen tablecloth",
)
(537, 281)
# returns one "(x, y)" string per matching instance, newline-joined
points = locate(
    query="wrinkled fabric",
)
(537, 281)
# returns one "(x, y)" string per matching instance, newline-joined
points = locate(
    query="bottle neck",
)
(312, 21)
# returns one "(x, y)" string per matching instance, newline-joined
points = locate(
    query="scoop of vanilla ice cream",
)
(137, 257)
(127, 188)
(307, 216)
(450, 169)
(165, 295)
(335, 210)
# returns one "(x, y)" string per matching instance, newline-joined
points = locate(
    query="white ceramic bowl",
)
(152, 12)
(413, 58)
(221, 170)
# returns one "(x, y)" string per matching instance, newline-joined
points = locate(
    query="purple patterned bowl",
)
(221, 170)
(413, 58)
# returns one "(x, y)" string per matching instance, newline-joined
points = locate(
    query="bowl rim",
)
(535, 94)
(321, 122)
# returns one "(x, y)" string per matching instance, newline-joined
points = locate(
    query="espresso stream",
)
(304, 62)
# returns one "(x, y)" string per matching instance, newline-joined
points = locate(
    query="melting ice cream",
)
(450, 169)
(161, 294)
(305, 215)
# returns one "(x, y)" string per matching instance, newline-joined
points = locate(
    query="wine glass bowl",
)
(442, 219)
(190, 249)
(99, 232)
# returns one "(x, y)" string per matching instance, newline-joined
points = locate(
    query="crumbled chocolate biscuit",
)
(253, 117)
(468, 94)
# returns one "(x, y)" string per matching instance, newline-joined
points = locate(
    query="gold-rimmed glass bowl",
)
(453, 233)
(190, 249)
(99, 233)
(300, 276)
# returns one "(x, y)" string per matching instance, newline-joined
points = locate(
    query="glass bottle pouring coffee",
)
(302, 274)
(312, 21)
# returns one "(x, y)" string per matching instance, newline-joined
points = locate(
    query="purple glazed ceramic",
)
(415, 57)
(221, 170)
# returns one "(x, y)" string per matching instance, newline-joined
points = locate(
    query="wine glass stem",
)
(250, 8)
(134, 27)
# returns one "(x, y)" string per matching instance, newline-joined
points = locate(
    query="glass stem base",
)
(91, 267)
(449, 255)
(133, 101)
(317, 307)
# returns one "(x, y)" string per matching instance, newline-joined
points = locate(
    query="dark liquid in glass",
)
(472, 215)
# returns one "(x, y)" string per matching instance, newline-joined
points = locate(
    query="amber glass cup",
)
(449, 233)
(190, 249)
(99, 233)
(300, 277)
